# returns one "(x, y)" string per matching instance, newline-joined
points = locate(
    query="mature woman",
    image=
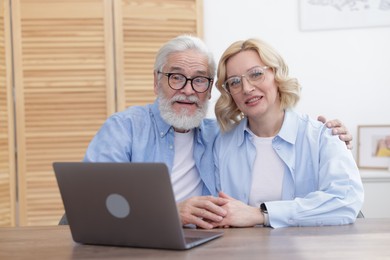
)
(277, 167)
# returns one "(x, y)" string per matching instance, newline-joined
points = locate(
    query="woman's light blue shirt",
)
(321, 184)
(139, 134)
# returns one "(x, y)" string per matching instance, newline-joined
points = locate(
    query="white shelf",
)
(375, 175)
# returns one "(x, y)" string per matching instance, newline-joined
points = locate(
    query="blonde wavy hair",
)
(226, 110)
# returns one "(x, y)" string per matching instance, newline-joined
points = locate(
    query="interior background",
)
(344, 73)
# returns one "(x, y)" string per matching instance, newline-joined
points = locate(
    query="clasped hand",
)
(202, 211)
(209, 212)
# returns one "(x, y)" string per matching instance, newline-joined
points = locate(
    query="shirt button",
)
(171, 147)
(161, 134)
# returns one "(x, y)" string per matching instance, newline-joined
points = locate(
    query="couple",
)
(265, 153)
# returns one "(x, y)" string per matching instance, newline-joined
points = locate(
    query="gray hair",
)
(182, 43)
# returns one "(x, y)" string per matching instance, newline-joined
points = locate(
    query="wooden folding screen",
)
(141, 27)
(7, 146)
(75, 62)
(64, 90)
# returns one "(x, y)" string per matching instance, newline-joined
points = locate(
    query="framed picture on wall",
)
(374, 146)
(328, 15)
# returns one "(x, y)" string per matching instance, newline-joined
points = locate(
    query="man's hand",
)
(338, 129)
(201, 210)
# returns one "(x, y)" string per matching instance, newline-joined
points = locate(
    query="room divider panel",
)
(7, 138)
(75, 62)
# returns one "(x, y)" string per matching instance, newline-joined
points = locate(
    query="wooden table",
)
(366, 239)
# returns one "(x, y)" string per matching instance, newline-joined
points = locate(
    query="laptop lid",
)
(123, 204)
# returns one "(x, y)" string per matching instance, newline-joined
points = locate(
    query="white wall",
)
(344, 73)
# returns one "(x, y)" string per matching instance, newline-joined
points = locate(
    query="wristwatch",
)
(264, 211)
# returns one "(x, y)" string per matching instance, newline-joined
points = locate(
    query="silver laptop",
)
(124, 204)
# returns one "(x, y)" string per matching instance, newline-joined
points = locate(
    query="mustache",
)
(193, 99)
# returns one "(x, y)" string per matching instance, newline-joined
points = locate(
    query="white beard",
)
(181, 120)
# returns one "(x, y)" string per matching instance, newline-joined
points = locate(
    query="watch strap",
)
(264, 211)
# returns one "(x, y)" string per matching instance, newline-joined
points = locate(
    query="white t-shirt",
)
(185, 178)
(267, 175)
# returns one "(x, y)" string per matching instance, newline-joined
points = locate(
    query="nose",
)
(247, 87)
(187, 89)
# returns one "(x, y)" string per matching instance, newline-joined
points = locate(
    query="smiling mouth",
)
(252, 100)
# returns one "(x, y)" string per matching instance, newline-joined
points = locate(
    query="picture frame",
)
(331, 15)
(373, 146)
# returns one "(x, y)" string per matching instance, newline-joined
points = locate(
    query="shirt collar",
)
(162, 126)
(288, 132)
(290, 126)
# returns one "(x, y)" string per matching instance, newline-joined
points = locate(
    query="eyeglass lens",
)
(254, 76)
(178, 81)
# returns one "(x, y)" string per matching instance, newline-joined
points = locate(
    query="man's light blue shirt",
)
(139, 134)
(321, 184)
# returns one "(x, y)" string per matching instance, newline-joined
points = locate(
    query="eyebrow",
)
(176, 69)
(251, 68)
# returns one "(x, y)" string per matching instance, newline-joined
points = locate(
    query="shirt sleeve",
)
(111, 143)
(337, 197)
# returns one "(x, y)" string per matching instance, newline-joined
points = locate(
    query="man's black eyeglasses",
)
(177, 81)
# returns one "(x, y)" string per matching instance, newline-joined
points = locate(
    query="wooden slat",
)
(63, 52)
(64, 81)
(7, 151)
(141, 27)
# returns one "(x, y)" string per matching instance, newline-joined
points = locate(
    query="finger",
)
(216, 200)
(348, 140)
(203, 206)
(339, 130)
(321, 119)
(211, 205)
(221, 224)
(224, 195)
(347, 137)
(210, 213)
(335, 123)
(200, 223)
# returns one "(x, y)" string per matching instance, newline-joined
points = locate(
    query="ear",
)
(155, 81)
